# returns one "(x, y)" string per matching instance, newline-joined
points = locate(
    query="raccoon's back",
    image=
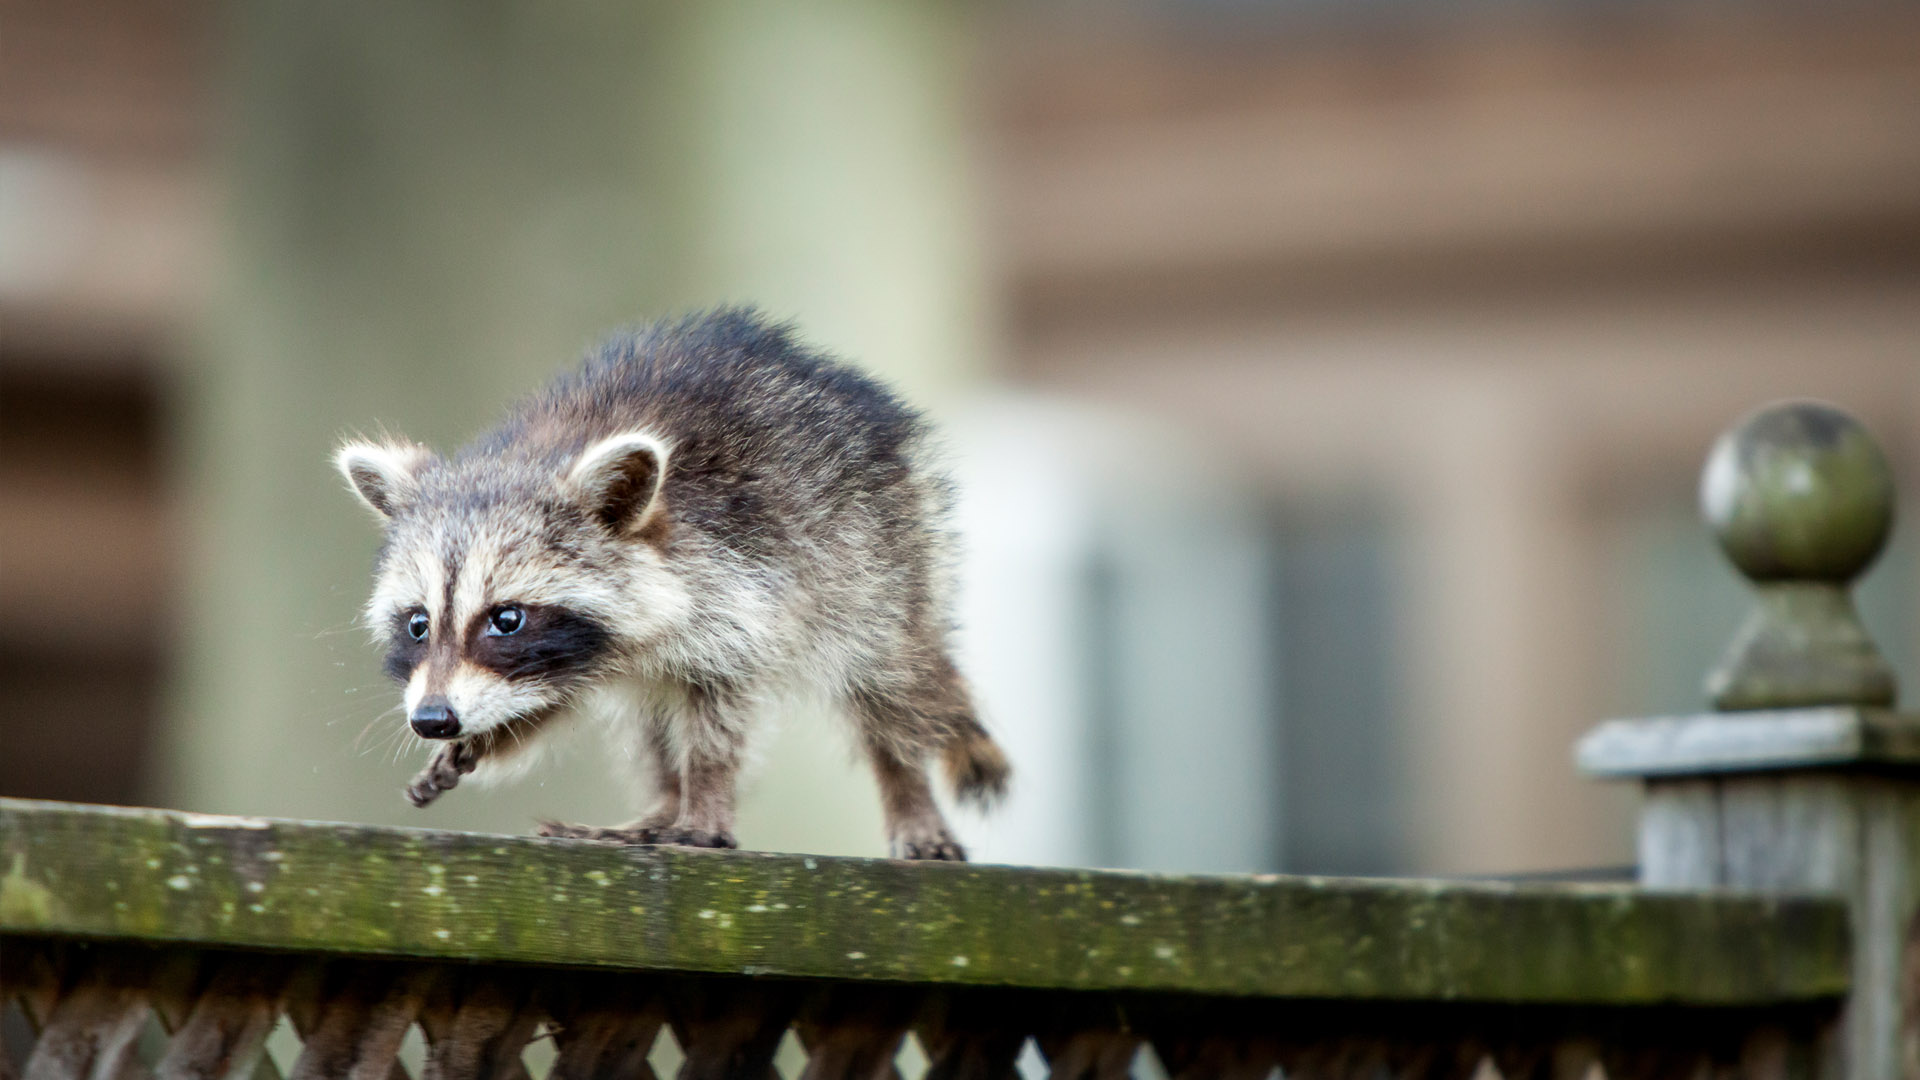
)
(766, 435)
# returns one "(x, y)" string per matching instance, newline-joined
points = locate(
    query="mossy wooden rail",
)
(152, 876)
(1774, 935)
(998, 954)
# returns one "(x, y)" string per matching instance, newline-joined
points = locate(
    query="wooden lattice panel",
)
(130, 1012)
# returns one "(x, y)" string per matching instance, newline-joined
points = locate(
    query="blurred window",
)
(84, 565)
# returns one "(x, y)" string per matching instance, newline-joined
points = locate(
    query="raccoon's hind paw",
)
(937, 847)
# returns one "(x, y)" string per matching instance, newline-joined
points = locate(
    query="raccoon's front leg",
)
(699, 813)
(696, 793)
(706, 800)
(443, 772)
(666, 800)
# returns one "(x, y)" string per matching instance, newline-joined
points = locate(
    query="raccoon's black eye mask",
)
(544, 642)
(514, 641)
(407, 643)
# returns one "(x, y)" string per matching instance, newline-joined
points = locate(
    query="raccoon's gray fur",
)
(704, 521)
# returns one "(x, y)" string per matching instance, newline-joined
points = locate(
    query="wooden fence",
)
(140, 943)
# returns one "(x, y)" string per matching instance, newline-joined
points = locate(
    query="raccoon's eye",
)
(506, 620)
(417, 625)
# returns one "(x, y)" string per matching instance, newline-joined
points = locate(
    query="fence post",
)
(1803, 777)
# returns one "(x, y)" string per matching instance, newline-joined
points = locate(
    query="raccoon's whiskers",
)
(398, 748)
(513, 727)
(359, 741)
(407, 741)
(348, 627)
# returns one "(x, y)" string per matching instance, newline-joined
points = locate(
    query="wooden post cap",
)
(1798, 490)
(1801, 499)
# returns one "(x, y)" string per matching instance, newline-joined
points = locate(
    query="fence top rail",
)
(157, 876)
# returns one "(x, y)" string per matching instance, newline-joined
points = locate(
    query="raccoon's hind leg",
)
(898, 729)
(915, 827)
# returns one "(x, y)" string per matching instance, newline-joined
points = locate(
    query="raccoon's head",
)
(505, 586)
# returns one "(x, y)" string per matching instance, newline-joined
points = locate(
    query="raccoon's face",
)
(503, 588)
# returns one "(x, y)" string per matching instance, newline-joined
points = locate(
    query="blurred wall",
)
(1471, 286)
(104, 134)
(432, 207)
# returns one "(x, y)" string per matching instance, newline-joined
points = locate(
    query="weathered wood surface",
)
(1855, 835)
(1805, 780)
(1831, 736)
(164, 877)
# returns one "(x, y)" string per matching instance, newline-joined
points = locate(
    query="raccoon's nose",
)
(434, 719)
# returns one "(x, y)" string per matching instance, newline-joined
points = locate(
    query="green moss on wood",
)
(157, 876)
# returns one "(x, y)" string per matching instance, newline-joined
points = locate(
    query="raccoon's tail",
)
(976, 767)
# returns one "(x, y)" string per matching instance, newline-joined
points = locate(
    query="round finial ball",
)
(1798, 490)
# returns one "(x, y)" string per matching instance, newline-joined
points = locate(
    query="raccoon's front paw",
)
(640, 834)
(424, 789)
(681, 837)
(934, 847)
(630, 834)
(443, 773)
(561, 830)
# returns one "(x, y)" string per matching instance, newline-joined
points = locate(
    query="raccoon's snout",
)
(434, 719)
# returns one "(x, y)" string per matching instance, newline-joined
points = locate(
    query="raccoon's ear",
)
(383, 474)
(619, 478)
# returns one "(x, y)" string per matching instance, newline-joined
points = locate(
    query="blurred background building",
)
(1326, 381)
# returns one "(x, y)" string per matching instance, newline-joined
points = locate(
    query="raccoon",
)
(706, 520)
